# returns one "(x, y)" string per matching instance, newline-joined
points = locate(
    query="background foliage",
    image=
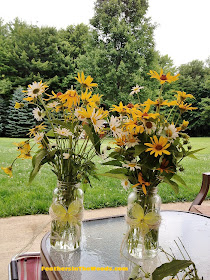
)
(117, 49)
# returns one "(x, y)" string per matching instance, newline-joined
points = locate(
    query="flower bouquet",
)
(68, 137)
(150, 146)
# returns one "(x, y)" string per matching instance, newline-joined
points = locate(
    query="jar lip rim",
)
(63, 183)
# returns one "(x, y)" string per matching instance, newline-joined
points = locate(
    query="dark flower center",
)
(163, 77)
(159, 147)
(148, 124)
(36, 91)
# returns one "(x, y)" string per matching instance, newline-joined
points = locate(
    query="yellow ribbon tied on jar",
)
(144, 222)
(72, 215)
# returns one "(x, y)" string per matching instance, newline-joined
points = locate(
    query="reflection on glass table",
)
(102, 240)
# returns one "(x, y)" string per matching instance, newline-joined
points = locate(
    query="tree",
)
(121, 50)
(18, 120)
(194, 79)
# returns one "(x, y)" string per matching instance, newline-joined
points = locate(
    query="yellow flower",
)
(181, 96)
(133, 127)
(185, 107)
(145, 115)
(85, 96)
(25, 155)
(95, 99)
(53, 96)
(18, 105)
(71, 97)
(120, 109)
(158, 147)
(23, 147)
(164, 166)
(142, 183)
(82, 113)
(158, 103)
(7, 170)
(142, 221)
(121, 141)
(163, 78)
(29, 99)
(34, 130)
(87, 83)
(184, 125)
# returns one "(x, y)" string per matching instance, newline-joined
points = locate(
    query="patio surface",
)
(16, 232)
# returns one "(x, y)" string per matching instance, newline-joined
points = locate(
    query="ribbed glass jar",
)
(143, 219)
(66, 212)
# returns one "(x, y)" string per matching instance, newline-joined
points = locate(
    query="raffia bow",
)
(73, 215)
(143, 222)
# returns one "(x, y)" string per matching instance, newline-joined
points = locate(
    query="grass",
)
(18, 198)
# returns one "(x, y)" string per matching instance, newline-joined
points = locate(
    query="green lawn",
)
(17, 198)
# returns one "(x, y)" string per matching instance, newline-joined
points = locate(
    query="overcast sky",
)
(182, 31)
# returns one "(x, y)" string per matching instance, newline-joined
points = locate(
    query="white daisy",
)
(38, 115)
(136, 89)
(38, 137)
(66, 155)
(97, 120)
(132, 141)
(63, 132)
(126, 184)
(149, 126)
(36, 89)
(114, 125)
(52, 105)
(132, 165)
(171, 132)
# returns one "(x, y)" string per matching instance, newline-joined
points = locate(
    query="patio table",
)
(102, 238)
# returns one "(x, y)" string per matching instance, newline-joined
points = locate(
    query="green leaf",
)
(139, 149)
(94, 138)
(173, 184)
(193, 152)
(112, 175)
(37, 163)
(170, 269)
(192, 156)
(179, 179)
(112, 162)
(50, 133)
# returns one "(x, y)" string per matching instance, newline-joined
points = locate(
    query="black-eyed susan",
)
(36, 129)
(163, 78)
(70, 98)
(85, 96)
(53, 95)
(7, 170)
(164, 166)
(120, 109)
(158, 146)
(182, 95)
(18, 105)
(142, 183)
(85, 82)
(183, 107)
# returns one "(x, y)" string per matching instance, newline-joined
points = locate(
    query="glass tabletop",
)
(102, 239)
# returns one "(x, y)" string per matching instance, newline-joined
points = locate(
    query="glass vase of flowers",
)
(68, 137)
(149, 145)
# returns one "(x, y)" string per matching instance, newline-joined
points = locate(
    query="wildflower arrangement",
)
(67, 133)
(150, 144)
